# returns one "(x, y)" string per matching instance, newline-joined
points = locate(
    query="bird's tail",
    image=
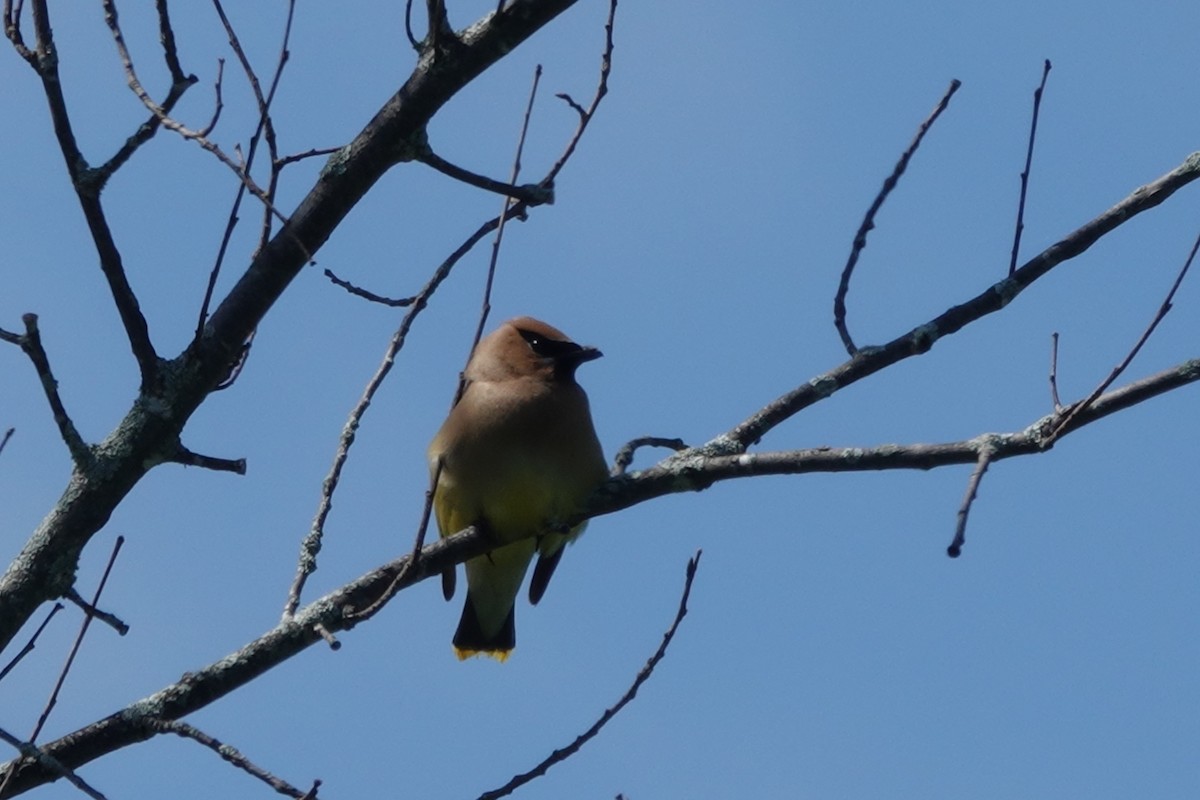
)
(471, 640)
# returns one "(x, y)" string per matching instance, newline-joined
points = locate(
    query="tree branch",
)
(144, 438)
(87, 185)
(31, 344)
(558, 756)
(920, 339)
(868, 223)
(689, 471)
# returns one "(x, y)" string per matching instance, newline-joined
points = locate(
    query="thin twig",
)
(227, 752)
(531, 194)
(31, 344)
(1162, 312)
(868, 223)
(486, 306)
(986, 451)
(625, 455)
(168, 122)
(8, 434)
(408, 26)
(414, 557)
(1037, 104)
(32, 643)
(1054, 371)
(111, 620)
(328, 636)
(313, 153)
(181, 455)
(166, 35)
(12, 29)
(585, 116)
(558, 756)
(180, 83)
(401, 302)
(83, 629)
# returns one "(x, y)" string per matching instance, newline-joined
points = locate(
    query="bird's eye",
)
(547, 348)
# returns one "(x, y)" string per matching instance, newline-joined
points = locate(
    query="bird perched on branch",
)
(517, 455)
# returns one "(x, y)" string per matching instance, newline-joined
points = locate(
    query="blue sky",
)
(832, 649)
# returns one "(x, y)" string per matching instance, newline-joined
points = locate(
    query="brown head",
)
(525, 347)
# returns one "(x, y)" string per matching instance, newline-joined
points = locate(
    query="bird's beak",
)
(585, 353)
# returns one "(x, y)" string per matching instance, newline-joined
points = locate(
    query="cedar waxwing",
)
(518, 454)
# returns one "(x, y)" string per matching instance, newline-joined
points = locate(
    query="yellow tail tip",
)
(499, 655)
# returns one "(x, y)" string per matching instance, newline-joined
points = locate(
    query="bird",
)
(517, 456)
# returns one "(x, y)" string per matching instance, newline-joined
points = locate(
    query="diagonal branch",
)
(560, 755)
(921, 338)
(1020, 227)
(31, 344)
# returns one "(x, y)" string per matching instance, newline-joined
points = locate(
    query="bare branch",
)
(414, 557)
(31, 344)
(32, 643)
(585, 116)
(180, 83)
(200, 137)
(868, 223)
(960, 529)
(181, 455)
(1037, 104)
(408, 31)
(530, 194)
(698, 468)
(12, 29)
(87, 184)
(921, 338)
(625, 455)
(228, 753)
(1162, 312)
(313, 153)
(8, 434)
(643, 675)
(1054, 371)
(111, 620)
(401, 302)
